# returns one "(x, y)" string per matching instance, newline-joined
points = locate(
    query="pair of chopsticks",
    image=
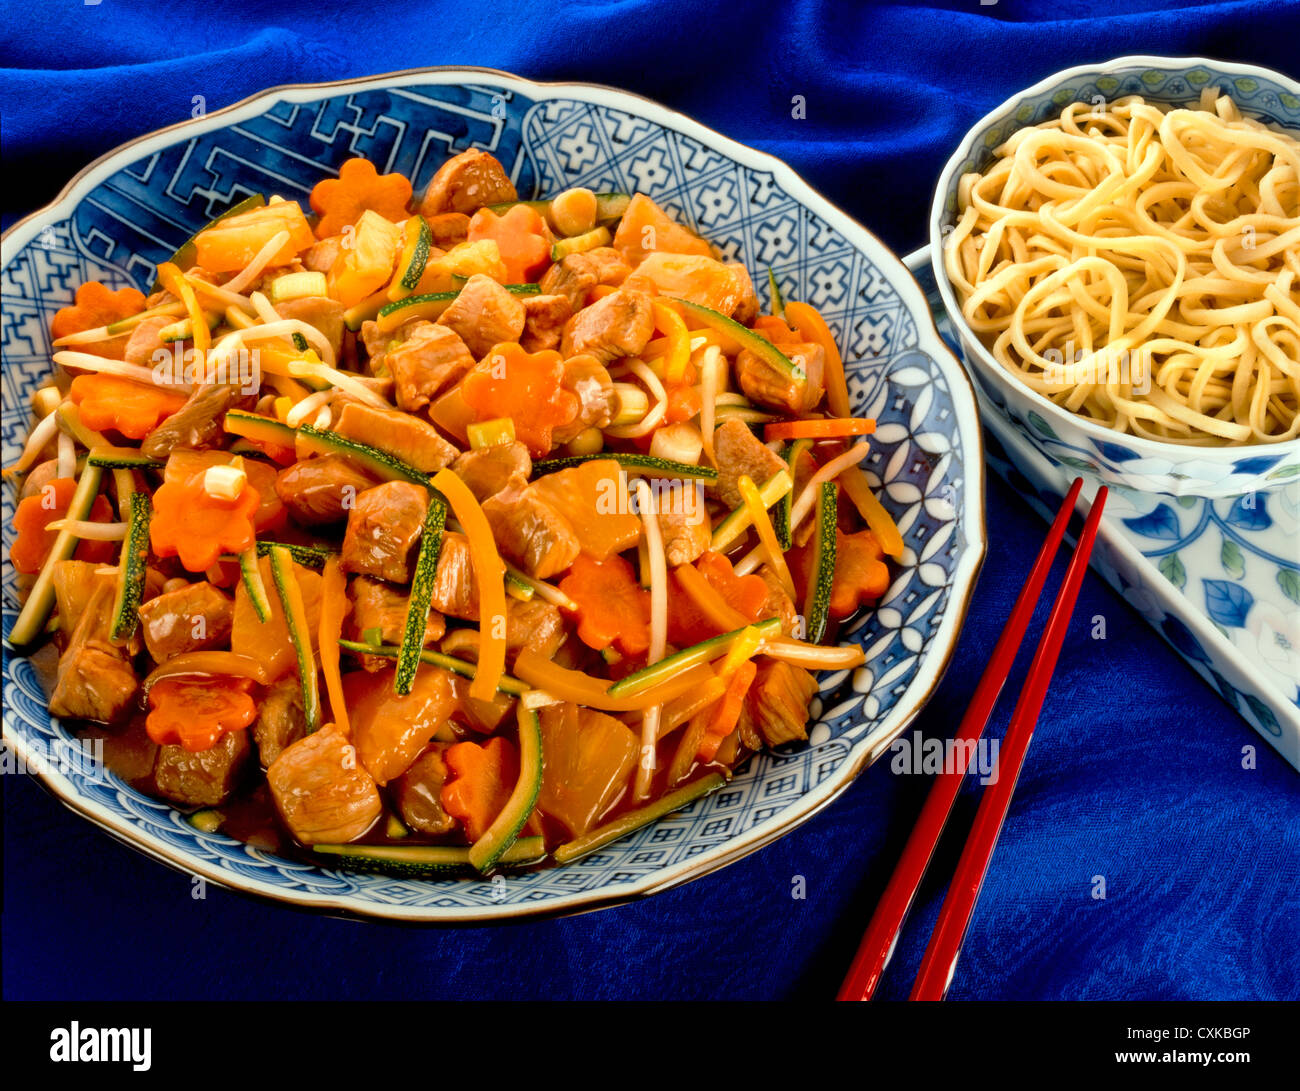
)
(940, 959)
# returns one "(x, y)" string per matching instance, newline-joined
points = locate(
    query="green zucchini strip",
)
(634, 820)
(286, 584)
(508, 685)
(131, 569)
(499, 836)
(417, 608)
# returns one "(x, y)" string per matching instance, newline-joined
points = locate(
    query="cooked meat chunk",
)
(544, 318)
(586, 377)
(322, 791)
(320, 312)
(467, 182)
(95, 680)
(409, 438)
(573, 276)
(778, 701)
(530, 531)
(74, 584)
(377, 605)
(747, 309)
(197, 424)
(427, 360)
(376, 343)
(618, 325)
(416, 793)
(205, 778)
(454, 591)
(535, 625)
(738, 451)
(190, 619)
(144, 340)
(686, 527)
(484, 314)
(322, 255)
(778, 604)
(321, 490)
(488, 470)
(791, 393)
(608, 265)
(38, 477)
(448, 229)
(383, 530)
(281, 721)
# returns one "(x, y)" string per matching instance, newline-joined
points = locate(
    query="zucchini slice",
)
(818, 601)
(513, 687)
(381, 463)
(742, 335)
(499, 836)
(251, 573)
(131, 569)
(417, 243)
(425, 861)
(784, 507)
(430, 305)
(31, 620)
(366, 310)
(417, 609)
(183, 330)
(577, 244)
(646, 465)
(183, 258)
(255, 426)
(703, 652)
(309, 555)
(778, 304)
(295, 616)
(122, 458)
(634, 820)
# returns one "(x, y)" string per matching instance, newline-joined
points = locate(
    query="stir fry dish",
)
(456, 532)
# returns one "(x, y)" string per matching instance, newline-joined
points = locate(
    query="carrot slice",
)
(482, 778)
(807, 320)
(688, 623)
(612, 606)
(196, 712)
(96, 306)
(340, 201)
(192, 524)
(33, 514)
(827, 428)
(489, 574)
(525, 386)
(110, 401)
(520, 235)
(860, 574)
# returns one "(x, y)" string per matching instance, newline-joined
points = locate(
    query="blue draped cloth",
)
(1135, 781)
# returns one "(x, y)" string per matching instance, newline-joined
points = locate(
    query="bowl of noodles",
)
(1119, 250)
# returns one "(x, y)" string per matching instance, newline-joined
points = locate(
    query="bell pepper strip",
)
(880, 522)
(35, 539)
(198, 527)
(727, 713)
(171, 278)
(766, 533)
(739, 521)
(688, 621)
(110, 401)
(584, 689)
(339, 202)
(525, 386)
(489, 575)
(827, 428)
(334, 607)
(690, 704)
(195, 713)
(807, 320)
(482, 778)
(95, 306)
(520, 235)
(611, 606)
(668, 321)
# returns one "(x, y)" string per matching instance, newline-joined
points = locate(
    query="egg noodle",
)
(1140, 265)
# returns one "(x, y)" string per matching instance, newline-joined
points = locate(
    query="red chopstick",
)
(882, 934)
(940, 959)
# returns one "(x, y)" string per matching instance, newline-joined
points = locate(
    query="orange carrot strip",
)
(727, 714)
(828, 428)
(812, 327)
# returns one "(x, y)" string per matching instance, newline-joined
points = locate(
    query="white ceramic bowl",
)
(1066, 438)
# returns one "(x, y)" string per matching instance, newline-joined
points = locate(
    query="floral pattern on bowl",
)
(127, 212)
(1062, 436)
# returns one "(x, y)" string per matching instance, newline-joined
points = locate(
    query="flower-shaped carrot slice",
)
(340, 201)
(192, 524)
(96, 306)
(196, 712)
(612, 607)
(520, 235)
(134, 409)
(524, 386)
(33, 542)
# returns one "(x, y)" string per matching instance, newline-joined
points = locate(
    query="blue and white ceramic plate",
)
(129, 210)
(1219, 578)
